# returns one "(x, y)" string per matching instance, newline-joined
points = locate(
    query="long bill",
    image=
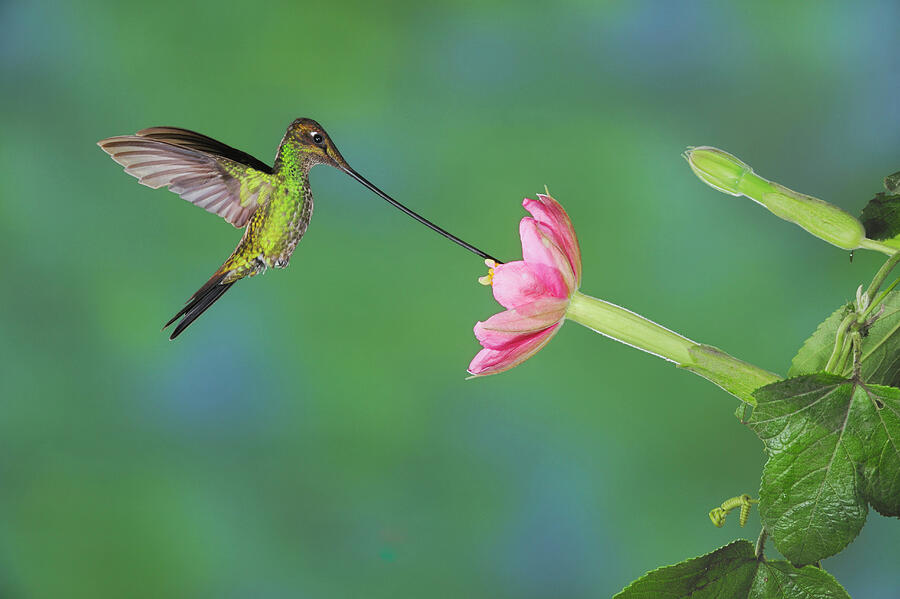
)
(418, 217)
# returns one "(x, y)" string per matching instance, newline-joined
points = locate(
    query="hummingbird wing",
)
(201, 170)
(197, 141)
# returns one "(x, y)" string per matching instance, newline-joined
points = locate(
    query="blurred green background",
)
(313, 435)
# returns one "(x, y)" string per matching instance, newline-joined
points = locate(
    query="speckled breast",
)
(294, 215)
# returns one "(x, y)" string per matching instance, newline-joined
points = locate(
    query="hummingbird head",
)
(311, 139)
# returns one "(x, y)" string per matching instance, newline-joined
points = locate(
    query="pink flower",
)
(536, 290)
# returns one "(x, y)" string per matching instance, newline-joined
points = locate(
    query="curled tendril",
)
(717, 515)
(745, 513)
(745, 502)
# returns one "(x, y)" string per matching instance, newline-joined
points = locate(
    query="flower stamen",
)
(488, 279)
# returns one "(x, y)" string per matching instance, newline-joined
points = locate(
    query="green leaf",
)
(880, 348)
(881, 218)
(726, 572)
(892, 183)
(816, 350)
(780, 579)
(734, 572)
(833, 446)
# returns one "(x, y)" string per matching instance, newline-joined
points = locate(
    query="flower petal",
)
(542, 254)
(511, 327)
(551, 216)
(516, 283)
(493, 361)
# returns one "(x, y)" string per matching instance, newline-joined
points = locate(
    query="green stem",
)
(839, 339)
(839, 354)
(856, 341)
(735, 376)
(761, 545)
(629, 328)
(882, 274)
(841, 365)
(877, 301)
(871, 244)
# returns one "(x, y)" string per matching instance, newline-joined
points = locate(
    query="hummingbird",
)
(273, 204)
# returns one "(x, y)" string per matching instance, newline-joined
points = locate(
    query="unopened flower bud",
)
(726, 173)
(720, 170)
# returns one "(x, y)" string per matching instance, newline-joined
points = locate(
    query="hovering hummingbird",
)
(272, 203)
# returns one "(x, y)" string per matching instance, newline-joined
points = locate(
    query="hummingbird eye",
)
(317, 137)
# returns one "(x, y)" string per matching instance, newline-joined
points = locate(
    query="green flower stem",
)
(820, 218)
(720, 170)
(882, 274)
(627, 327)
(871, 244)
(735, 376)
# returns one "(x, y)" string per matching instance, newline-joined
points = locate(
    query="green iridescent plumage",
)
(273, 203)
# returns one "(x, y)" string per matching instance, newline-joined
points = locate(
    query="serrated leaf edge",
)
(648, 573)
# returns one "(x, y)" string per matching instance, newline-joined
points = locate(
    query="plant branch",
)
(882, 274)
(864, 306)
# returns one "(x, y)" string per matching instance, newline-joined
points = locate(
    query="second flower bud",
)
(724, 172)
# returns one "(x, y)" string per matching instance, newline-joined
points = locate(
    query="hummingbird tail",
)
(205, 297)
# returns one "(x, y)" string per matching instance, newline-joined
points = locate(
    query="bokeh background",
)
(313, 435)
